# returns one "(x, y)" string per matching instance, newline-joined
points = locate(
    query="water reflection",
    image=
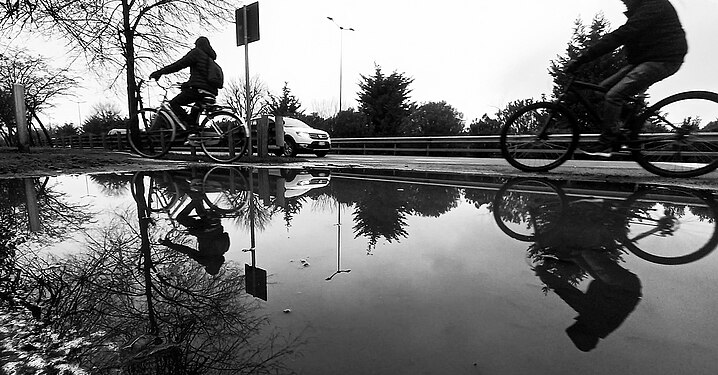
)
(443, 290)
(130, 304)
(575, 236)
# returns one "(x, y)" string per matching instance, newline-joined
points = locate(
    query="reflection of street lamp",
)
(339, 243)
(341, 42)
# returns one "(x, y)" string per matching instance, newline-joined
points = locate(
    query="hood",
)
(631, 6)
(203, 44)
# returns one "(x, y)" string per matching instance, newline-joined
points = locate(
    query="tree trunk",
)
(44, 130)
(132, 100)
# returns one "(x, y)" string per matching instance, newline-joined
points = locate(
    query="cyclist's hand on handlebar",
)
(156, 75)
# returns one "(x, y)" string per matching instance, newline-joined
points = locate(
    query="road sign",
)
(255, 281)
(252, 23)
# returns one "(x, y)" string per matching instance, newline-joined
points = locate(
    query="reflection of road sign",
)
(252, 26)
(256, 281)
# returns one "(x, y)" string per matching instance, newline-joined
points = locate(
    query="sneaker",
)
(605, 146)
(600, 148)
(192, 140)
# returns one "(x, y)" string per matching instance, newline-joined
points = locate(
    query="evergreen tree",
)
(105, 116)
(594, 71)
(492, 125)
(433, 118)
(348, 123)
(384, 100)
(285, 105)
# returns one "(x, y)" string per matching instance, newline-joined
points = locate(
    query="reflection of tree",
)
(480, 198)
(432, 201)
(152, 311)
(112, 184)
(56, 215)
(262, 214)
(381, 208)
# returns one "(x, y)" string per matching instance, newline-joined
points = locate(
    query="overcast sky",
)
(477, 55)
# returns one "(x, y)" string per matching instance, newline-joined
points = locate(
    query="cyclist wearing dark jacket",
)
(654, 43)
(197, 60)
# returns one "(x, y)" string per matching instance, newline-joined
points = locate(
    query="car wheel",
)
(321, 154)
(290, 147)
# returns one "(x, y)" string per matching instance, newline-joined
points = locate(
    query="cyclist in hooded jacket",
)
(197, 59)
(655, 45)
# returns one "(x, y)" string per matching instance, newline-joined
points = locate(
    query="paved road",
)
(614, 171)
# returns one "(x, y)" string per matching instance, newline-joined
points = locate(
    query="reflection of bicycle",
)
(674, 137)
(221, 134)
(224, 190)
(661, 225)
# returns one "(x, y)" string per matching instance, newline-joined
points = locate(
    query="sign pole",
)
(247, 113)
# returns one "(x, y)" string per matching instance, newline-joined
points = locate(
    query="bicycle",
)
(669, 226)
(221, 134)
(224, 189)
(676, 137)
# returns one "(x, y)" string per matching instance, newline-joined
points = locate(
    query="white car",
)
(298, 183)
(299, 138)
(120, 131)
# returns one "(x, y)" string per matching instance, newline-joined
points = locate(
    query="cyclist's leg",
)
(186, 97)
(636, 80)
(627, 82)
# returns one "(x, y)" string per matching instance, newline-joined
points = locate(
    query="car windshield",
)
(294, 123)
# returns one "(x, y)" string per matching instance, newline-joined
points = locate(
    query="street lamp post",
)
(341, 47)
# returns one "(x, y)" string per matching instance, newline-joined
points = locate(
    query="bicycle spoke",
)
(156, 134)
(538, 137)
(223, 137)
(671, 226)
(679, 136)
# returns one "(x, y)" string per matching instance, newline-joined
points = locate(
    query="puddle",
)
(357, 272)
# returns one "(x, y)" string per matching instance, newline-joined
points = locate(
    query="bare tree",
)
(130, 36)
(235, 96)
(42, 85)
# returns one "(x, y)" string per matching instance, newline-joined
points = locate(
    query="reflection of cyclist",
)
(610, 298)
(654, 43)
(212, 240)
(584, 242)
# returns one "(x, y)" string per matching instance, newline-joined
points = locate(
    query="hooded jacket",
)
(197, 61)
(652, 32)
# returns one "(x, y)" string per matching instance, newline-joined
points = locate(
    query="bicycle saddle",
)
(207, 97)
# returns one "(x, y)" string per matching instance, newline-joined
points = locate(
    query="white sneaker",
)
(192, 141)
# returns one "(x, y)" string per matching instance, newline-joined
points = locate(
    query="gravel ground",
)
(55, 161)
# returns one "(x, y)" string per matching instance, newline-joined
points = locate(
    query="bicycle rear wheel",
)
(157, 132)
(679, 135)
(524, 207)
(539, 137)
(671, 225)
(223, 137)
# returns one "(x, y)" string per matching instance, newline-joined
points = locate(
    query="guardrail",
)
(461, 145)
(468, 145)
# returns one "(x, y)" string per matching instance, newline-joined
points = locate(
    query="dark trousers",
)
(630, 80)
(186, 97)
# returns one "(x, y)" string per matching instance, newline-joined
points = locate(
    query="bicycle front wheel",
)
(223, 137)
(157, 132)
(539, 137)
(671, 226)
(679, 135)
(226, 189)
